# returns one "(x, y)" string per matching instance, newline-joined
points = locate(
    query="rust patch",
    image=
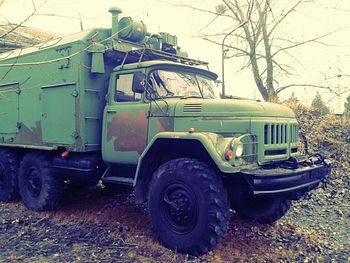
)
(29, 136)
(165, 124)
(129, 132)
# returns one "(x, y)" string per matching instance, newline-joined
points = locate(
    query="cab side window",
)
(123, 90)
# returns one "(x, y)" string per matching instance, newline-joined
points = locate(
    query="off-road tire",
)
(40, 189)
(264, 210)
(203, 209)
(8, 176)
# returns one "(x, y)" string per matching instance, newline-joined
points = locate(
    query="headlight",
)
(239, 149)
(242, 150)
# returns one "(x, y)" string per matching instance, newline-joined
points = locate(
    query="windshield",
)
(182, 84)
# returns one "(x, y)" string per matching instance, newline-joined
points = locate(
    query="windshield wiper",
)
(149, 89)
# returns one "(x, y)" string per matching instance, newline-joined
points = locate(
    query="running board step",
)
(118, 180)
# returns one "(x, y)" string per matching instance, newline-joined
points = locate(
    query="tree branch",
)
(280, 89)
(195, 8)
(306, 42)
(228, 46)
(284, 16)
(35, 9)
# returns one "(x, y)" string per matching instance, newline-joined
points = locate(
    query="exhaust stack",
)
(115, 11)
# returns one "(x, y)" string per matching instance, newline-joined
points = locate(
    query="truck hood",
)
(230, 108)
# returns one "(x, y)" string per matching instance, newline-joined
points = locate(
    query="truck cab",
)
(143, 100)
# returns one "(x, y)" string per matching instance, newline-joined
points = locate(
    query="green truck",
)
(125, 106)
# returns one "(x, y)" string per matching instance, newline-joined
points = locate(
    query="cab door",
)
(125, 123)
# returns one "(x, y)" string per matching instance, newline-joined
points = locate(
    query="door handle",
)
(111, 111)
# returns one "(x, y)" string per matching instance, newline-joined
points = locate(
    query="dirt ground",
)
(103, 226)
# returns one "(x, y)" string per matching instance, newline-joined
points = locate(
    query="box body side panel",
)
(58, 119)
(9, 100)
(54, 104)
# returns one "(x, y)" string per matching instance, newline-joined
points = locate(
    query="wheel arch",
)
(164, 148)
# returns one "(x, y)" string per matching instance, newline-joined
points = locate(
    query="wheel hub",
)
(180, 208)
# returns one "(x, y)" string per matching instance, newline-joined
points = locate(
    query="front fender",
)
(211, 142)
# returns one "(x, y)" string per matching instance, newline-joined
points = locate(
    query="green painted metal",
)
(75, 92)
(53, 94)
(168, 39)
(115, 11)
(54, 115)
(209, 140)
(57, 101)
(97, 60)
(169, 118)
(134, 31)
(9, 98)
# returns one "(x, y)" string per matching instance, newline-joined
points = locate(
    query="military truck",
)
(125, 106)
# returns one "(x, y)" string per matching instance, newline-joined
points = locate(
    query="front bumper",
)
(289, 183)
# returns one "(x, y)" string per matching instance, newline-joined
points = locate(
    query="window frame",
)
(115, 89)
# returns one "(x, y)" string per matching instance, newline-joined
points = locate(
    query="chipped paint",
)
(128, 131)
(33, 135)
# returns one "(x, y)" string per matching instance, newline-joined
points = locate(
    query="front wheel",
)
(262, 209)
(188, 206)
(39, 188)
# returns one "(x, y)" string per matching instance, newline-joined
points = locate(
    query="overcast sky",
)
(312, 21)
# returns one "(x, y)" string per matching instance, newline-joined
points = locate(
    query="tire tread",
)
(12, 193)
(218, 211)
(49, 199)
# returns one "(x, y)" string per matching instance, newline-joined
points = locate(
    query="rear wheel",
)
(262, 209)
(8, 176)
(188, 206)
(39, 188)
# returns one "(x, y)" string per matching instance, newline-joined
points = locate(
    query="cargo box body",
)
(48, 96)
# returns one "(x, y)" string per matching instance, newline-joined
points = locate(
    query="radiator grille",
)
(275, 133)
(280, 140)
(294, 133)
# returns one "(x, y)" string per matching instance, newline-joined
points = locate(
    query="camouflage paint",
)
(161, 118)
(33, 135)
(129, 133)
(120, 130)
(125, 130)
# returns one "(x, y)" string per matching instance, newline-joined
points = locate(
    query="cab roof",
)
(165, 64)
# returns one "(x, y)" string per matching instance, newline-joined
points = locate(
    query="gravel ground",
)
(100, 226)
(326, 214)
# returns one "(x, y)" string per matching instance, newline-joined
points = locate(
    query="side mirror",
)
(138, 82)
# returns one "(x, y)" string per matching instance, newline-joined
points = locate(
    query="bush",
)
(328, 135)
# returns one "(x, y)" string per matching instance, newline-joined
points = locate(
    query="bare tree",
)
(261, 39)
(13, 27)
